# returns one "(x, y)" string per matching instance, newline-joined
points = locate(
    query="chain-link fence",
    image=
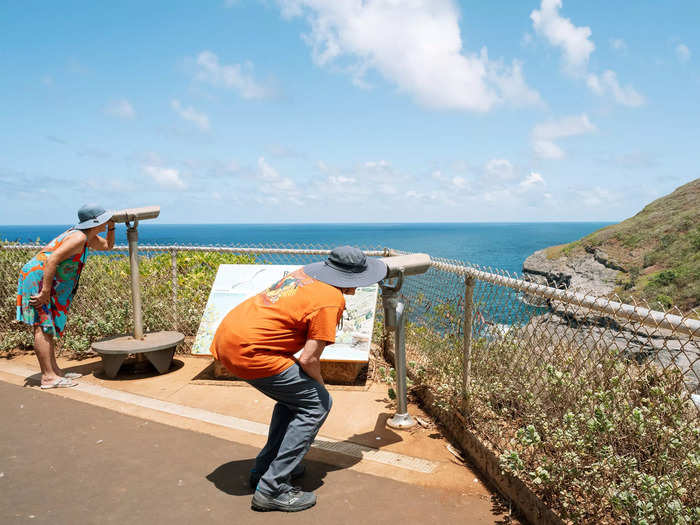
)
(592, 402)
(175, 285)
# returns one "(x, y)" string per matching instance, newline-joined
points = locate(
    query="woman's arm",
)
(310, 358)
(101, 244)
(72, 245)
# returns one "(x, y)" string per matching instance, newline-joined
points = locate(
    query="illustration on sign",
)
(234, 283)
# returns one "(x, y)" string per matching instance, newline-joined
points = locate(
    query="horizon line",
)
(336, 223)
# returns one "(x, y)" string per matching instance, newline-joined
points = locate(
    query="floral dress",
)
(52, 316)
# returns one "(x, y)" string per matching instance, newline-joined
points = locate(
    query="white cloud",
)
(189, 113)
(499, 169)
(531, 180)
(608, 83)
(362, 183)
(121, 109)
(414, 45)
(340, 180)
(234, 76)
(577, 47)
(267, 172)
(459, 182)
(272, 183)
(168, 178)
(683, 53)
(619, 45)
(546, 149)
(376, 165)
(544, 135)
(561, 32)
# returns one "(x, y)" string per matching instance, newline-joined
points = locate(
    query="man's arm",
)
(310, 358)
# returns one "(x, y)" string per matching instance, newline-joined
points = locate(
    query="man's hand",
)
(40, 299)
(310, 358)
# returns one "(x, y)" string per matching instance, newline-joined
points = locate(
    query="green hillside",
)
(658, 250)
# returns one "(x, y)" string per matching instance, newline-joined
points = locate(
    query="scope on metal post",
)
(136, 214)
(411, 264)
(394, 319)
(156, 347)
(132, 216)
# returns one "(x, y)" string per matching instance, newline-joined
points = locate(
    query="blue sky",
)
(347, 111)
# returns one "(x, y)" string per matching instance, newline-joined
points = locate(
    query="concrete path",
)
(64, 460)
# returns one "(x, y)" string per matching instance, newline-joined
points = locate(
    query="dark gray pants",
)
(302, 406)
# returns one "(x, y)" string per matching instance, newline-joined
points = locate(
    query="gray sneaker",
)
(255, 476)
(292, 501)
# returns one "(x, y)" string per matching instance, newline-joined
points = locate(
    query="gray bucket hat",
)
(347, 267)
(91, 215)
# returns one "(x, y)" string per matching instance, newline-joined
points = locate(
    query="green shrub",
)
(599, 441)
(102, 306)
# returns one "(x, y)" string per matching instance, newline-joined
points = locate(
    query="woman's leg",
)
(54, 363)
(43, 348)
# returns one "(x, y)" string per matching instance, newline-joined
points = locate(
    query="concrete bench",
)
(158, 348)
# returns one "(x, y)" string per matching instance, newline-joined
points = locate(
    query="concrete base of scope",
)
(156, 347)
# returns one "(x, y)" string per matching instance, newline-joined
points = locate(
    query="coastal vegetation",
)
(657, 252)
(600, 438)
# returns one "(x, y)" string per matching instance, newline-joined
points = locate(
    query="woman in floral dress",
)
(48, 282)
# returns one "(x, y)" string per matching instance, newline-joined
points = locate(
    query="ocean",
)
(498, 245)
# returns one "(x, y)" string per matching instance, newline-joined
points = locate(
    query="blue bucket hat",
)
(347, 267)
(91, 215)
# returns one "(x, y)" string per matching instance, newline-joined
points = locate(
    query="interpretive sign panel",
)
(235, 283)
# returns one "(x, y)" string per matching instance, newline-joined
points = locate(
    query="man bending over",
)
(257, 341)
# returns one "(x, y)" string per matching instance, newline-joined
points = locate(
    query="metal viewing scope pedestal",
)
(395, 320)
(157, 348)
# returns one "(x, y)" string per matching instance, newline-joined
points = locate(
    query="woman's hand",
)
(40, 299)
(96, 242)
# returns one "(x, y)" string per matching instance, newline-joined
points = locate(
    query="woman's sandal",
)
(72, 375)
(63, 382)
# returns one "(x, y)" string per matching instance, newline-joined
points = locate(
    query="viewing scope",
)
(398, 267)
(136, 214)
(411, 264)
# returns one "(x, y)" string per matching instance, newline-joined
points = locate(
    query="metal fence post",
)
(469, 282)
(173, 263)
(132, 235)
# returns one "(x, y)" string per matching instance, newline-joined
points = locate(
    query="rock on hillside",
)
(654, 255)
(582, 273)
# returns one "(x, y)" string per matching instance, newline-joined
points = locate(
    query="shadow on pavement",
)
(129, 370)
(232, 477)
(133, 369)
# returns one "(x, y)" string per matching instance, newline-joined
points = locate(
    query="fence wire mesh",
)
(593, 402)
(175, 283)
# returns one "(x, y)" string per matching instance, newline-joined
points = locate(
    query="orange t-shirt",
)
(260, 336)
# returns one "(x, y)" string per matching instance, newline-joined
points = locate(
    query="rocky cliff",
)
(654, 255)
